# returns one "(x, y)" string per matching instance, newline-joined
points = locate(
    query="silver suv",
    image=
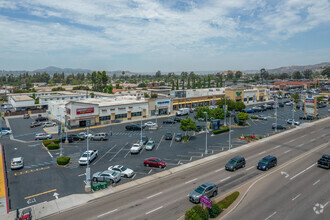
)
(99, 137)
(106, 176)
(207, 189)
(43, 136)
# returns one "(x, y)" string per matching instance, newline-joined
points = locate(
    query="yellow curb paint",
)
(39, 194)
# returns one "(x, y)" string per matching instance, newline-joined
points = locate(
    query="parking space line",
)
(316, 182)
(50, 154)
(39, 194)
(150, 171)
(159, 142)
(105, 154)
(133, 176)
(172, 140)
(118, 151)
(127, 154)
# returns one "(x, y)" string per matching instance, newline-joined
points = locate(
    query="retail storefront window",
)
(135, 114)
(200, 104)
(105, 118)
(194, 105)
(121, 116)
(175, 107)
(163, 111)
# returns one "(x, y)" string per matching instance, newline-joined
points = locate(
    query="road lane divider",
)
(316, 182)
(296, 197)
(147, 213)
(249, 168)
(154, 195)
(219, 170)
(262, 152)
(225, 179)
(274, 213)
(191, 181)
(107, 213)
(302, 171)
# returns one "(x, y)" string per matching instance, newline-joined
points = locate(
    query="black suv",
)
(235, 163)
(324, 161)
(178, 119)
(267, 163)
(72, 138)
(168, 136)
(133, 127)
(41, 119)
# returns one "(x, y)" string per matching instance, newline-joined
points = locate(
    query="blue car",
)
(267, 162)
(248, 111)
(4, 128)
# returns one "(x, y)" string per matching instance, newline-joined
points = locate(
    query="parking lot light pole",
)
(205, 134)
(293, 114)
(225, 112)
(276, 115)
(229, 130)
(88, 171)
(66, 128)
(156, 112)
(141, 125)
(61, 154)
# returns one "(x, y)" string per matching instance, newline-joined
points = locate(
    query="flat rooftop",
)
(22, 98)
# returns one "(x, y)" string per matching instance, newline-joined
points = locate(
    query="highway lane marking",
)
(270, 216)
(316, 182)
(262, 152)
(104, 154)
(190, 181)
(225, 179)
(154, 210)
(287, 151)
(107, 213)
(172, 140)
(312, 140)
(300, 145)
(31, 171)
(303, 171)
(118, 152)
(277, 146)
(303, 136)
(154, 195)
(219, 170)
(291, 141)
(160, 142)
(39, 194)
(296, 197)
(249, 168)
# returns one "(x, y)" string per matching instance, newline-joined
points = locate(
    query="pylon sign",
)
(63, 127)
(3, 115)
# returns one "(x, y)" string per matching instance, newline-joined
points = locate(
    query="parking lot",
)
(40, 164)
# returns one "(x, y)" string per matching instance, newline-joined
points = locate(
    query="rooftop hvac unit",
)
(138, 98)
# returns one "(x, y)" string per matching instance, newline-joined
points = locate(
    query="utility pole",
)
(66, 127)
(88, 171)
(205, 134)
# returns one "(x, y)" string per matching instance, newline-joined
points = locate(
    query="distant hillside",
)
(291, 69)
(53, 69)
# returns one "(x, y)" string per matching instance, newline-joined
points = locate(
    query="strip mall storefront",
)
(195, 102)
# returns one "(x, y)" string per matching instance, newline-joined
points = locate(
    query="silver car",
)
(43, 136)
(17, 163)
(150, 145)
(99, 137)
(106, 176)
(48, 124)
(207, 189)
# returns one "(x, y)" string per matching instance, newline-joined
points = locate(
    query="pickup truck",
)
(91, 154)
(324, 161)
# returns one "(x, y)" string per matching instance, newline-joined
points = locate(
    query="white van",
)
(182, 111)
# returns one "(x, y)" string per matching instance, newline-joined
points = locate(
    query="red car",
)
(154, 162)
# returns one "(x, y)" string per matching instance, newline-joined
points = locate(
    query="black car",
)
(133, 127)
(71, 138)
(145, 139)
(267, 162)
(198, 128)
(279, 127)
(324, 161)
(41, 119)
(257, 109)
(178, 119)
(235, 163)
(168, 136)
(168, 121)
(280, 104)
(307, 117)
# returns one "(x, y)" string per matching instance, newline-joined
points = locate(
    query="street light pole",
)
(88, 171)
(141, 125)
(225, 112)
(66, 127)
(205, 134)
(229, 131)
(156, 112)
(276, 115)
(292, 114)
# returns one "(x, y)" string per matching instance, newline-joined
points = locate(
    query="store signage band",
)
(81, 111)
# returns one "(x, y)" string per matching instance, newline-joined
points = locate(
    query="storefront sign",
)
(81, 111)
(121, 108)
(112, 109)
(262, 90)
(130, 107)
(104, 110)
(164, 102)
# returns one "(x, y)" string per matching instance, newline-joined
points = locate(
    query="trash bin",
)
(104, 185)
(96, 187)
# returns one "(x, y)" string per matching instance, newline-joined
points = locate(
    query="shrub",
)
(240, 123)
(47, 142)
(215, 210)
(196, 213)
(185, 139)
(57, 141)
(63, 160)
(260, 137)
(53, 146)
(254, 117)
(221, 130)
(226, 202)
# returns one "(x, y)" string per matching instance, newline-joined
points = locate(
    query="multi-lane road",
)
(276, 195)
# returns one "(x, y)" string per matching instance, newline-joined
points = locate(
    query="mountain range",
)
(52, 69)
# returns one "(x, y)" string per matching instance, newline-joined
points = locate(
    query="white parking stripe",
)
(118, 152)
(159, 142)
(172, 140)
(104, 154)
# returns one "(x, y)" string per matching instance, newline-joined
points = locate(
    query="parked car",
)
(168, 136)
(178, 137)
(178, 119)
(321, 105)
(106, 176)
(43, 136)
(135, 149)
(4, 128)
(279, 127)
(289, 121)
(26, 116)
(99, 137)
(144, 140)
(168, 121)
(280, 104)
(207, 189)
(268, 106)
(35, 124)
(48, 124)
(82, 135)
(135, 127)
(198, 128)
(124, 171)
(262, 117)
(17, 163)
(248, 110)
(71, 138)
(150, 124)
(288, 103)
(5, 132)
(257, 109)
(267, 162)
(150, 145)
(235, 163)
(41, 119)
(307, 117)
(88, 155)
(154, 162)
(324, 161)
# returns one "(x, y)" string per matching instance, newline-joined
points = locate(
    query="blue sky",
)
(166, 35)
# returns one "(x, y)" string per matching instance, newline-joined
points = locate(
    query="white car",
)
(90, 154)
(262, 117)
(17, 163)
(124, 171)
(288, 103)
(150, 124)
(48, 124)
(150, 145)
(289, 121)
(5, 132)
(135, 149)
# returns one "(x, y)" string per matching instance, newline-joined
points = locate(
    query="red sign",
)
(81, 111)
(206, 201)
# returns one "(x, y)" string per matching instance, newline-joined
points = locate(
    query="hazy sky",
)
(166, 35)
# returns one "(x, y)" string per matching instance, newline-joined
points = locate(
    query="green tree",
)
(204, 82)
(308, 74)
(240, 106)
(326, 72)
(188, 84)
(297, 75)
(319, 99)
(221, 78)
(208, 81)
(295, 97)
(92, 95)
(158, 74)
(187, 124)
(264, 74)
(182, 81)
(110, 88)
(177, 84)
(146, 95)
(230, 75)
(238, 74)
(230, 103)
(217, 82)
(194, 83)
(172, 84)
(243, 116)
